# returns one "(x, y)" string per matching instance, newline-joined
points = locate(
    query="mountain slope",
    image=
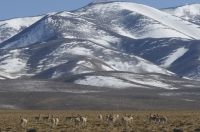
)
(64, 57)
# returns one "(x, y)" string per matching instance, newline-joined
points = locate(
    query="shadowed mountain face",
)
(177, 55)
(147, 47)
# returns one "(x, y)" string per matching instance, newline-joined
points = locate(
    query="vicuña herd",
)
(82, 120)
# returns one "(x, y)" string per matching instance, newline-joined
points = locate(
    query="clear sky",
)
(20, 8)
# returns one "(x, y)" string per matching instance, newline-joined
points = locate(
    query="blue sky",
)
(20, 8)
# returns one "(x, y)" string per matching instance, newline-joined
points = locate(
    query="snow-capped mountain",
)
(138, 21)
(9, 28)
(187, 12)
(103, 37)
(131, 20)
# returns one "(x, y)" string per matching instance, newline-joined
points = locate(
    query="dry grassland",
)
(188, 121)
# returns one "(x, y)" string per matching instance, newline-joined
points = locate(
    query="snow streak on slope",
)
(9, 28)
(173, 57)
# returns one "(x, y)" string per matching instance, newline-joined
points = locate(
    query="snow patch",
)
(79, 91)
(103, 81)
(1, 78)
(173, 57)
(145, 80)
(80, 51)
(188, 100)
(6, 106)
(122, 31)
(12, 65)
